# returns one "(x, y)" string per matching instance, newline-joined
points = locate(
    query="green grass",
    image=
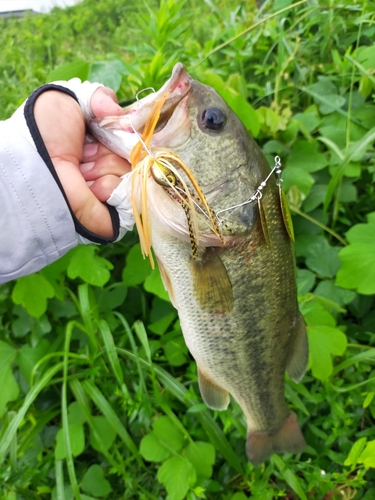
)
(99, 395)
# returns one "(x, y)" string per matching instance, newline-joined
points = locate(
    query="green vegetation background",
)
(99, 395)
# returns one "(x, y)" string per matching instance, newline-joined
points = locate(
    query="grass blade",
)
(29, 399)
(59, 471)
(112, 355)
(107, 410)
(214, 432)
(86, 313)
(134, 349)
(362, 356)
(81, 398)
(366, 140)
(64, 414)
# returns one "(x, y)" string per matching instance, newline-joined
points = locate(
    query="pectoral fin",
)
(213, 395)
(166, 282)
(299, 357)
(212, 285)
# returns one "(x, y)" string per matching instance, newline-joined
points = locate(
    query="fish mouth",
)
(172, 128)
(177, 88)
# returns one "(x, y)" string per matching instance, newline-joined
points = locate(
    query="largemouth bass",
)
(234, 287)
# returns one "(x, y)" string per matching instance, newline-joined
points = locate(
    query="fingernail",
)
(85, 167)
(90, 150)
(90, 183)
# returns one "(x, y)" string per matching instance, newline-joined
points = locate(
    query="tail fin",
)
(261, 445)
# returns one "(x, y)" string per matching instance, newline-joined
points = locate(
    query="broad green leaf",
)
(281, 4)
(202, 456)
(315, 314)
(334, 134)
(297, 177)
(306, 156)
(358, 259)
(76, 69)
(152, 449)
(94, 482)
(308, 121)
(111, 298)
(325, 94)
(368, 455)
(329, 290)
(168, 433)
(88, 266)
(9, 387)
(161, 325)
(109, 73)
(369, 495)
(75, 414)
(315, 198)
(77, 441)
(239, 496)
(348, 192)
(176, 351)
(322, 258)
(351, 170)
(245, 112)
(324, 341)
(154, 284)
(105, 431)
(305, 281)
(28, 356)
(355, 451)
(271, 121)
(363, 233)
(137, 268)
(32, 292)
(178, 475)
(365, 55)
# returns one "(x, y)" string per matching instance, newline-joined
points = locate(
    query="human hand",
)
(88, 173)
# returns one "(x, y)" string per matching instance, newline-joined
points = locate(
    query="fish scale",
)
(237, 299)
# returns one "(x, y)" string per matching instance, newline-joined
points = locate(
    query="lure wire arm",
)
(257, 195)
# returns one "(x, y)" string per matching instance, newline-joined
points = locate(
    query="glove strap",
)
(42, 150)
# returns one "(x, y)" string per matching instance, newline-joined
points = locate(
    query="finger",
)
(94, 150)
(110, 164)
(87, 207)
(104, 103)
(103, 187)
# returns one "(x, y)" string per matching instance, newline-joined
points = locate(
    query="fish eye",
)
(214, 119)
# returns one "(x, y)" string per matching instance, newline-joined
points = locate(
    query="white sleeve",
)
(37, 225)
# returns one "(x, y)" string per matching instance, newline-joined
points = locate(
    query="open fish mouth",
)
(121, 133)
